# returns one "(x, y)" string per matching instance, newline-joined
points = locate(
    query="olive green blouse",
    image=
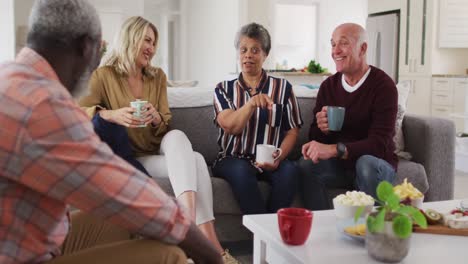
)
(109, 90)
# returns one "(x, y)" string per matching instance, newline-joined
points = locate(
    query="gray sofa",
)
(429, 140)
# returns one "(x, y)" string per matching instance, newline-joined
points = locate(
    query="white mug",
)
(265, 153)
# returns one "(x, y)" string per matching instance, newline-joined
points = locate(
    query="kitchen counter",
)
(300, 78)
(450, 75)
(296, 73)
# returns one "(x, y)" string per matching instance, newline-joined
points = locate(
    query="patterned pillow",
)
(403, 92)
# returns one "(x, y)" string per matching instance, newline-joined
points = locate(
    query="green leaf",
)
(419, 218)
(380, 220)
(384, 189)
(376, 224)
(415, 214)
(371, 224)
(358, 213)
(393, 201)
(402, 226)
(314, 67)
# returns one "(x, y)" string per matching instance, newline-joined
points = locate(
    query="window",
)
(295, 33)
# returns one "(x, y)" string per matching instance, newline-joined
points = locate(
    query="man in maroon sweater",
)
(362, 153)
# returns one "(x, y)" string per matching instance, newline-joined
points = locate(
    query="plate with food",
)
(353, 230)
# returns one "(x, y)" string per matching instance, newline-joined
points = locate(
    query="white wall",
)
(261, 12)
(331, 14)
(113, 13)
(210, 30)
(7, 27)
(22, 10)
(158, 14)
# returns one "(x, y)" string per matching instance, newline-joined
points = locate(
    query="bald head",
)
(354, 31)
(349, 48)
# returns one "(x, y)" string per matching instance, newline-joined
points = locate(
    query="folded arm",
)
(232, 120)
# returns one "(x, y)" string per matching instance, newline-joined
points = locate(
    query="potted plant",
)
(315, 67)
(389, 229)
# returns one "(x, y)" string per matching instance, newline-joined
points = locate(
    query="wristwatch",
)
(340, 150)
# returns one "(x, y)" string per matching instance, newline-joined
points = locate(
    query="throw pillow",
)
(403, 92)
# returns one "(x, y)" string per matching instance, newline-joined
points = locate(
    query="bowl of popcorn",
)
(346, 205)
(409, 194)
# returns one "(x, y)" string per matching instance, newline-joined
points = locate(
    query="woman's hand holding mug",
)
(267, 157)
(151, 116)
(122, 116)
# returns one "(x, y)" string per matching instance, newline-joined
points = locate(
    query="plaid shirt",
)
(51, 157)
(265, 126)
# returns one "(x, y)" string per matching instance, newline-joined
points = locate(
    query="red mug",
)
(294, 225)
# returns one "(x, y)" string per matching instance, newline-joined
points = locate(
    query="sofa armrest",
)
(431, 142)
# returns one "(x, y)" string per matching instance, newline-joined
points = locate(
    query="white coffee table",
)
(327, 245)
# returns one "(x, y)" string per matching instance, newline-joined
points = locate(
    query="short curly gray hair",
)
(63, 21)
(257, 32)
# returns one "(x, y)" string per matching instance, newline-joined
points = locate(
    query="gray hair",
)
(257, 32)
(63, 21)
(363, 38)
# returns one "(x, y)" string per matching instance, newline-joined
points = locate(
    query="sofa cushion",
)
(197, 123)
(403, 92)
(306, 106)
(165, 184)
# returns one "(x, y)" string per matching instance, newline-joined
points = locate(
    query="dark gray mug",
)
(335, 116)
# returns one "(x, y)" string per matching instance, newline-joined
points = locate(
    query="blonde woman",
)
(127, 75)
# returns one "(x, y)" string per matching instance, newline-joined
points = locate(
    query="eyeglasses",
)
(253, 50)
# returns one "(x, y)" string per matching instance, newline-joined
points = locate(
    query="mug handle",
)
(280, 152)
(286, 230)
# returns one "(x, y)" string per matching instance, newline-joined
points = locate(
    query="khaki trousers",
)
(92, 240)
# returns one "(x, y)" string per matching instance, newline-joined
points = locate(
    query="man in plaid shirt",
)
(50, 158)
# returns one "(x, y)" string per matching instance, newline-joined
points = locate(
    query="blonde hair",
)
(127, 46)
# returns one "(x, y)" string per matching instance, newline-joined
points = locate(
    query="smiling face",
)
(147, 49)
(251, 56)
(347, 51)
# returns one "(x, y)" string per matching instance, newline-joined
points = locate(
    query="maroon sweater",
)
(369, 124)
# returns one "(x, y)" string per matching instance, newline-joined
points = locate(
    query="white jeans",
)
(186, 169)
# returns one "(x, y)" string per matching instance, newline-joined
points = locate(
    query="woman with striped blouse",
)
(256, 109)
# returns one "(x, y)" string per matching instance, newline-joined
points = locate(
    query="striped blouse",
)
(265, 126)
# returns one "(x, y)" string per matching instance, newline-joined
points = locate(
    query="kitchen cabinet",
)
(448, 99)
(419, 98)
(415, 37)
(453, 24)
